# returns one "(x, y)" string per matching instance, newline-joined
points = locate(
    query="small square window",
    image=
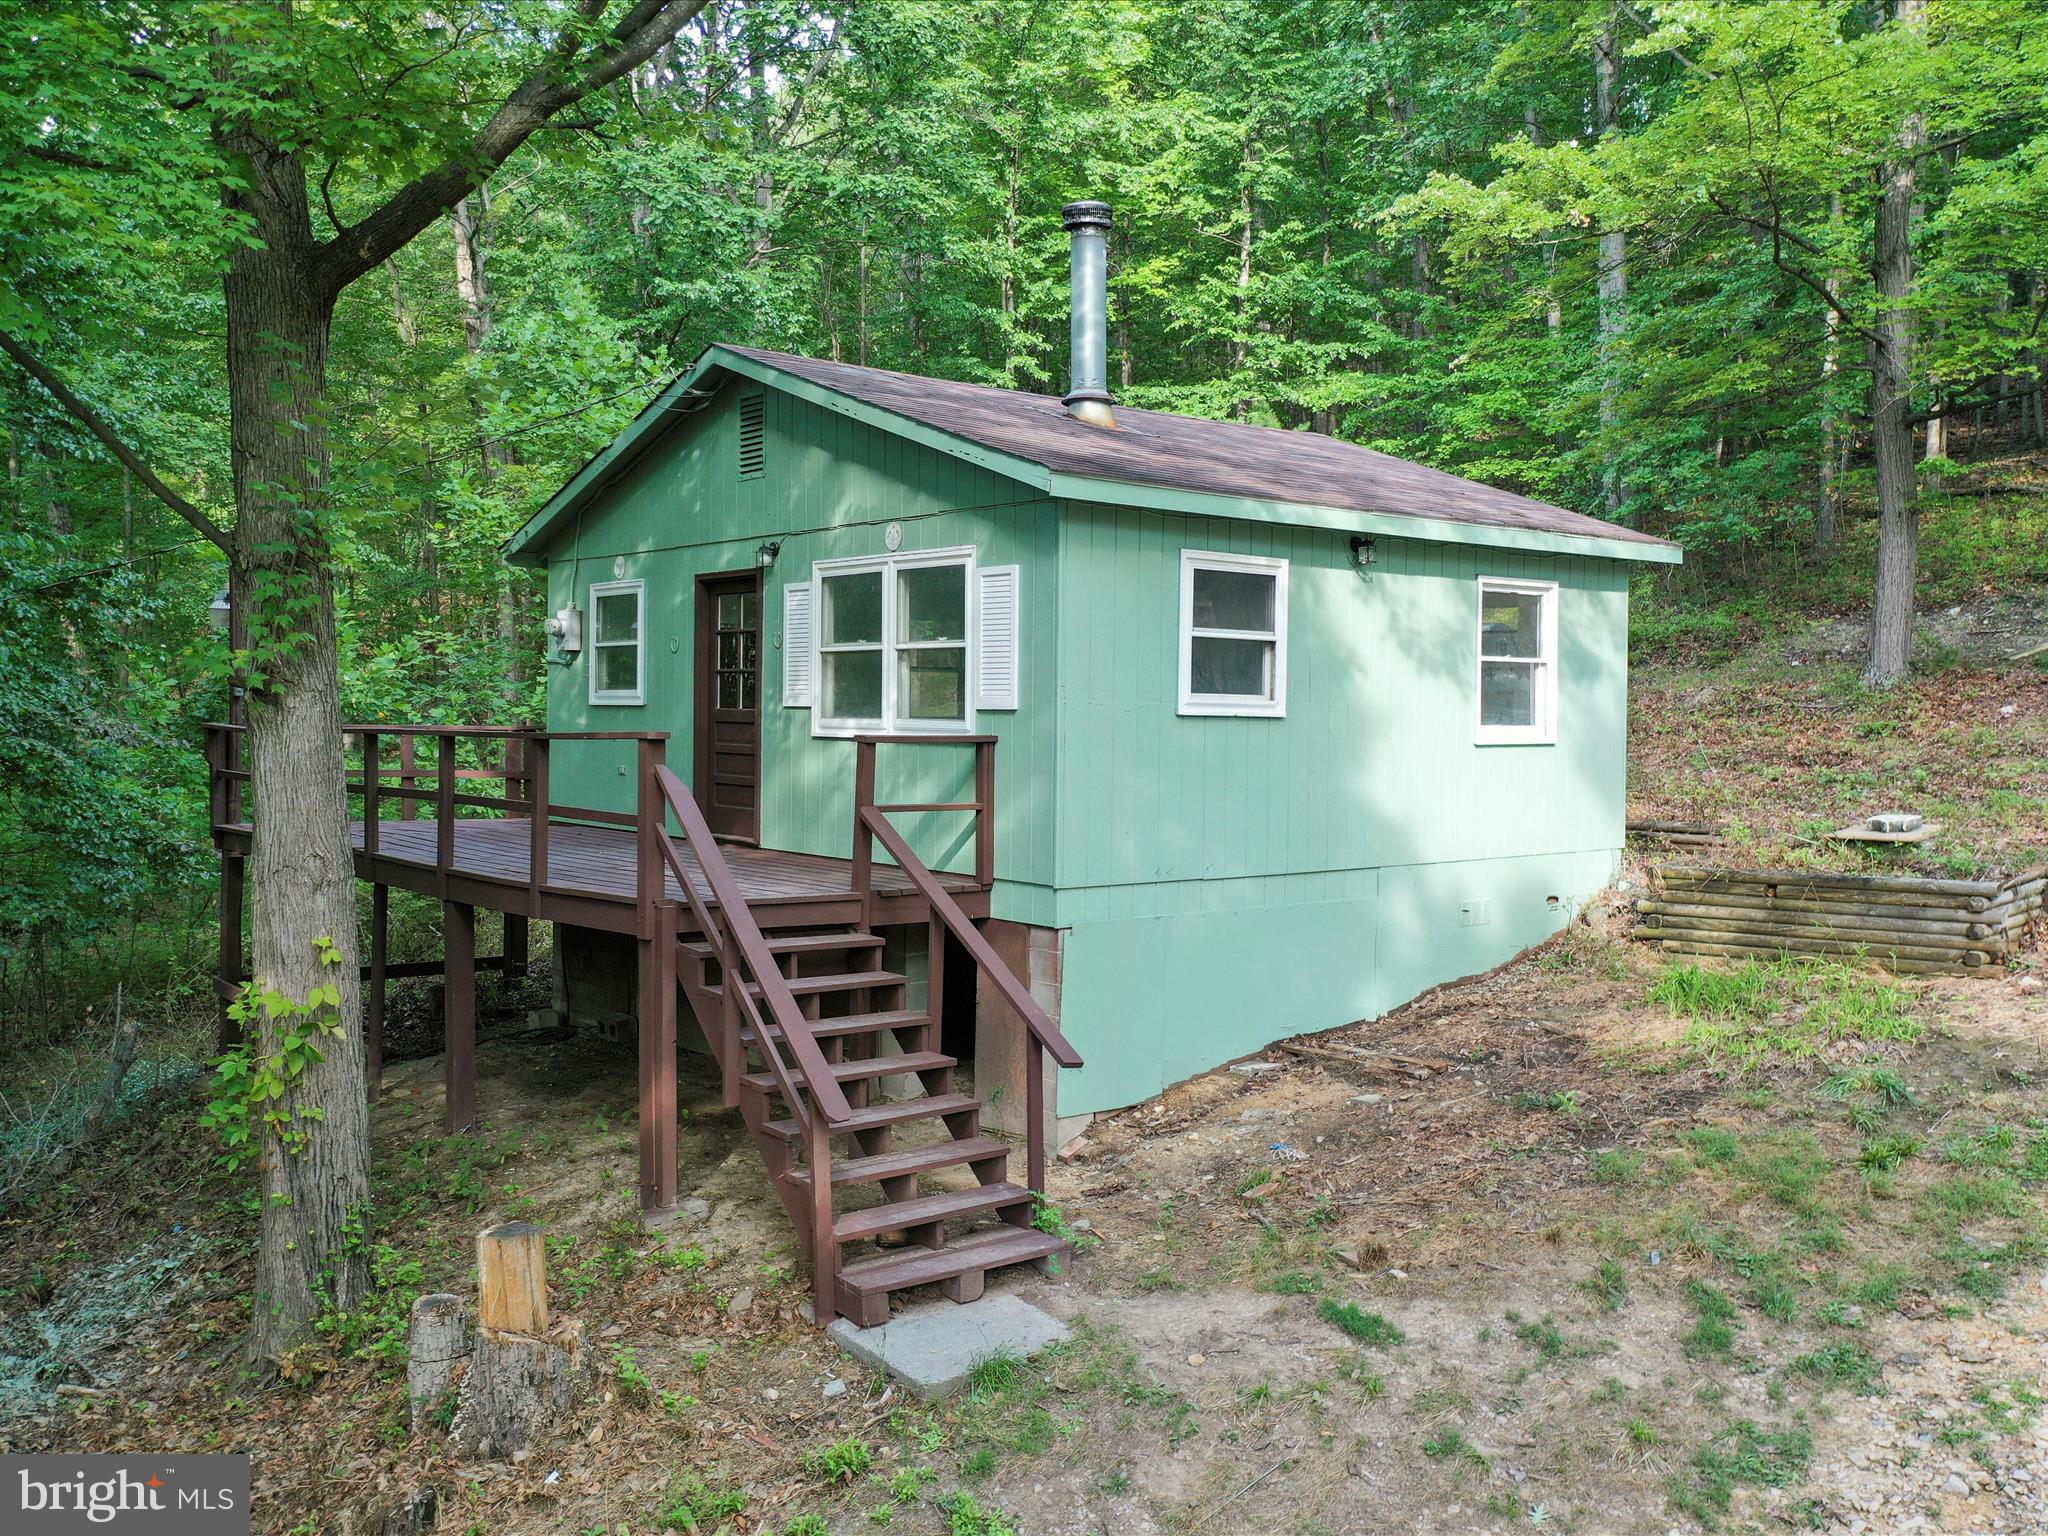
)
(618, 642)
(1517, 662)
(1233, 634)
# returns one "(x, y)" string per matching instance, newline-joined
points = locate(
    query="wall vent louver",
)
(753, 435)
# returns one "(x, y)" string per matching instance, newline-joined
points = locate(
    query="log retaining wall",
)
(1902, 922)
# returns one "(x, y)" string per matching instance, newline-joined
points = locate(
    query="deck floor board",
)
(602, 862)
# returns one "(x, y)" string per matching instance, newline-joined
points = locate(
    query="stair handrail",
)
(982, 953)
(743, 949)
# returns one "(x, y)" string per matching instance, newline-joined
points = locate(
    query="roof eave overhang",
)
(1401, 525)
(525, 546)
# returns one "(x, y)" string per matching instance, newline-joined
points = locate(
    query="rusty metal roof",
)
(1189, 453)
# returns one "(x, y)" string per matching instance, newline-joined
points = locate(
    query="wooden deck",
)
(593, 875)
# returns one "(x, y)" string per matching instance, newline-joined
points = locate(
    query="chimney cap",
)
(1087, 215)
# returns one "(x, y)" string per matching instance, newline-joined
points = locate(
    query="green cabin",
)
(1286, 730)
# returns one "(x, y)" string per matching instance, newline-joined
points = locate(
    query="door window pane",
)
(729, 610)
(934, 683)
(729, 690)
(1242, 668)
(853, 608)
(1233, 600)
(1511, 624)
(1507, 693)
(618, 616)
(931, 603)
(853, 685)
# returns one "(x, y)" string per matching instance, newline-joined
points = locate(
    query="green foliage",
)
(1743, 1453)
(695, 1504)
(1846, 1364)
(1714, 1332)
(253, 1100)
(841, 1461)
(1788, 1009)
(1366, 1327)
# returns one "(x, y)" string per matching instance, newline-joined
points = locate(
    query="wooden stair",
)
(918, 1195)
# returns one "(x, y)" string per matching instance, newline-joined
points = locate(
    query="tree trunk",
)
(301, 869)
(1613, 276)
(1891, 402)
(1827, 513)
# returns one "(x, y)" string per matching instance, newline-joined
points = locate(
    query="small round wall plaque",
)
(618, 567)
(892, 537)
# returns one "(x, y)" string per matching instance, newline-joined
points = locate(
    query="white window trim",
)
(1543, 731)
(1192, 703)
(889, 565)
(638, 694)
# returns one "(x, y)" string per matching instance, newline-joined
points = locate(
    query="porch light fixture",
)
(765, 555)
(1363, 553)
(220, 611)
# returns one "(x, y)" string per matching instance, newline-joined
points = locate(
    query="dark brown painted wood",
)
(727, 708)
(380, 969)
(230, 1030)
(458, 1061)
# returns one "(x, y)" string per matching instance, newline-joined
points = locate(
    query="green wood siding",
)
(1228, 881)
(828, 489)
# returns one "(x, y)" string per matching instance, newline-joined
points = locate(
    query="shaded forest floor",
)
(1747, 710)
(1529, 1252)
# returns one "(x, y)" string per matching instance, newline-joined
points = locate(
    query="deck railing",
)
(430, 766)
(871, 824)
(982, 806)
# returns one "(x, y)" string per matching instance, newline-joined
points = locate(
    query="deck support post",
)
(229, 1033)
(658, 1064)
(518, 948)
(824, 1248)
(458, 1062)
(373, 1003)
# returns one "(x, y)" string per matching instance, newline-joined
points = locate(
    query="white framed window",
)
(1517, 656)
(894, 652)
(618, 642)
(1233, 634)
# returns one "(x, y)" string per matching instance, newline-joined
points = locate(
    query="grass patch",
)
(1788, 1009)
(1607, 1285)
(1297, 1282)
(1845, 1364)
(1741, 1454)
(1714, 1333)
(1883, 1154)
(1451, 1445)
(1366, 1327)
(1617, 1166)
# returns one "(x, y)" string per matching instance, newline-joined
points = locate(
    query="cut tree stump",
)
(523, 1374)
(517, 1386)
(437, 1348)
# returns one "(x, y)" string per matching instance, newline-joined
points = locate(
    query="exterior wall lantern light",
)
(765, 555)
(1363, 553)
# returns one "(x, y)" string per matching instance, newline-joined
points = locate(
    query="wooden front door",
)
(728, 711)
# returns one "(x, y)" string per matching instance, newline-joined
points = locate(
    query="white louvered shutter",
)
(797, 644)
(996, 616)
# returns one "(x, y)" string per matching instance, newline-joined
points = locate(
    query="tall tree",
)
(1891, 387)
(329, 149)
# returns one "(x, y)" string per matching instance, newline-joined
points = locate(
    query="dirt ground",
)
(1523, 1255)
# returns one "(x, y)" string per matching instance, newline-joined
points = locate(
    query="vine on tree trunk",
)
(254, 1089)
